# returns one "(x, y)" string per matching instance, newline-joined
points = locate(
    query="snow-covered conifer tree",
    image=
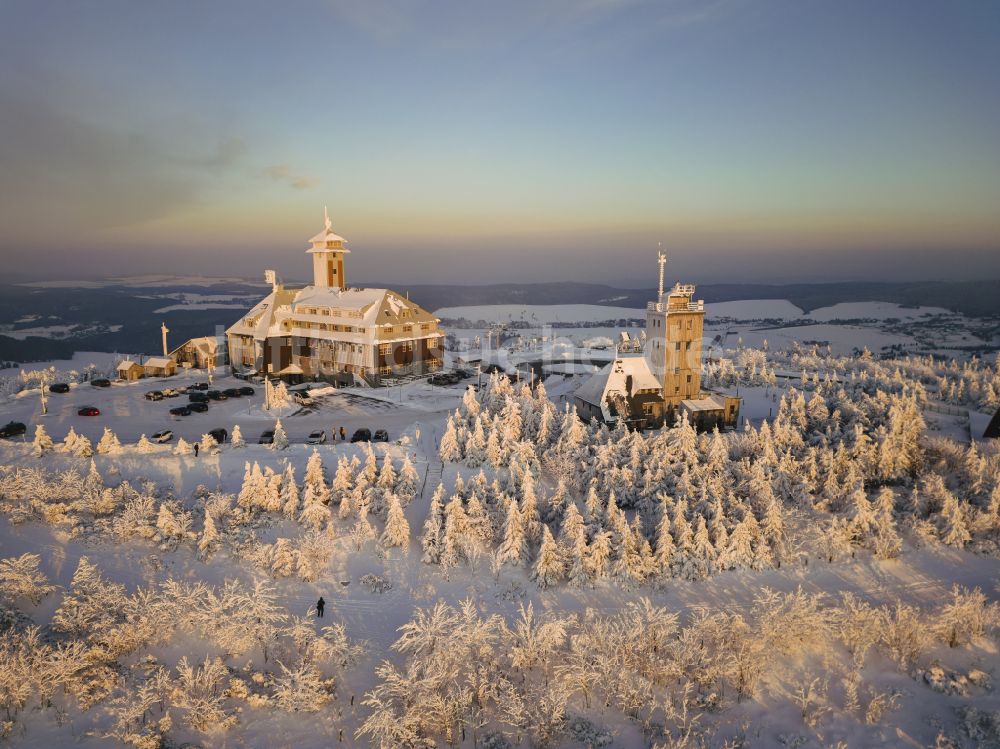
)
(387, 476)
(280, 438)
(109, 444)
(42, 442)
(208, 445)
(314, 512)
(953, 529)
(289, 493)
(343, 480)
(432, 539)
(549, 566)
(209, 536)
(183, 447)
(514, 547)
(397, 530)
(236, 440)
(450, 451)
(144, 445)
(407, 481)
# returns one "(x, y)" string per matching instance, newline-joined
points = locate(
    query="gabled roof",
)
(126, 365)
(993, 429)
(159, 361)
(617, 383)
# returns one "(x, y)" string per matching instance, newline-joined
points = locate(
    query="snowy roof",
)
(614, 378)
(159, 361)
(327, 235)
(711, 403)
(291, 369)
(127, 365)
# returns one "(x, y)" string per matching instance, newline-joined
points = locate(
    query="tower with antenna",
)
(674, 328)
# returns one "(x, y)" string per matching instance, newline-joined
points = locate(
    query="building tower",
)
(674, 324)
(328, 252)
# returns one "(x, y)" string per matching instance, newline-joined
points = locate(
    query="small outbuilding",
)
(200, 353)
(129, 370)
(625, 390)
(160, 366)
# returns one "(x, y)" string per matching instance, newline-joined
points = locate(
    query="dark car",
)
(362, 435)
(12, 429)
(180, 411)
(232, 392)
(154, 395)
(198, 397)
(216, 395)
(380, 436)
(266, 438)
(58, 387)
(219, 435)
(101, 382)
(165, 436)
(198, 386)
(198, 406)
(89, 411)
(246, 390)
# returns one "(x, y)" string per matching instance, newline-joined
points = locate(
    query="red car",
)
(89, 411)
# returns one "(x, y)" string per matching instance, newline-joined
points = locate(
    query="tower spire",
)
(326, 219)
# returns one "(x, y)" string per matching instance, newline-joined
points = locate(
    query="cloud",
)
(283, 173)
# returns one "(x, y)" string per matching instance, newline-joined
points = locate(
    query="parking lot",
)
(124, 408)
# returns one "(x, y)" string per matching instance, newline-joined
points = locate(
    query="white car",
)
(165, 436)
(316, 438)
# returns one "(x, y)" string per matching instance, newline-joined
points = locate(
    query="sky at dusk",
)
(479, 142)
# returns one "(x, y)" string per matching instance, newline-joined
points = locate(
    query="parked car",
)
(381, 435)
(362, 435)
(101, 382)
(12, 429)
(232, 392)
(219, 435)
(154, 395)
(246, 390)
(89, 411)
(165, 436)
(181, 411)
(170, 393)
(58, 387)
(197, 386)
(198, 397)
(316, 438)
(198, 406)
(464, 373)
(266, 438)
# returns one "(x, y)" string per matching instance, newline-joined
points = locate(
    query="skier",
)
(320, 604)
(343, 434)
(196, 446)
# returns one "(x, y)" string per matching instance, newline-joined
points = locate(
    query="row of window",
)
(330, 312)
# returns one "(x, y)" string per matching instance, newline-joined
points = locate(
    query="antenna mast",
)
(662, 260)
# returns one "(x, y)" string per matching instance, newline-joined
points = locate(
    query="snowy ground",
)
(415, 415)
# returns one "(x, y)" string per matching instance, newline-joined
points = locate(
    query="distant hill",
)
(972, 298)
(42, 321)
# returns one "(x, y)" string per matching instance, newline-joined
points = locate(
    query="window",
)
(689, 378)
(407, 328)
(387, 328)
(385, 370)
(424, 327)
(384, 348)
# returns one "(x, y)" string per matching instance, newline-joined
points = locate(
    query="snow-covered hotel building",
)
(664, 379)
(329, 331)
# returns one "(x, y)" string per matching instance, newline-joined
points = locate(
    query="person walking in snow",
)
(343, 434)
(320, 605)
(196, 446)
